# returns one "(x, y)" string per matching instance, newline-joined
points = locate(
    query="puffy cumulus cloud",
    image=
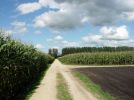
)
(109, 33)
(19, 27)
(66, 18)
(115, 33)
(109, 36)
(92, 38)
(39, 46)
(28, 7)
(57, 21)
(74, 13)
(48, 3)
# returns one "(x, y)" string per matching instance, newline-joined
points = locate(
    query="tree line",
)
(95, 49)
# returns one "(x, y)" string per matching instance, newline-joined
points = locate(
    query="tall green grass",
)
(100, 58)
(62, 88)
(20, 65)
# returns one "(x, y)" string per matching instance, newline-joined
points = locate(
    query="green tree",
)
(53, 52)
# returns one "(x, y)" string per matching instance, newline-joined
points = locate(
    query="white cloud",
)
(129, 15)
(108, 33)
(39, 46)
(109, 36)
(28, 7)
(85, 19)
(19, 27)
(72, 14)
(58, 37)
(92, 38)
(57, 21)
(115, 33)
(75, 13)
(49, 3)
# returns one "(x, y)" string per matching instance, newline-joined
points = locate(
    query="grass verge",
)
(26, 94)
(62, 88)
(94, 88)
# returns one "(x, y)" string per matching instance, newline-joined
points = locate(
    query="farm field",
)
(67, 50)
(21, 65)
(99, 58)
(118, 81)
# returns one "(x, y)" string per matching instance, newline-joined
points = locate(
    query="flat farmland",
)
(118, 81)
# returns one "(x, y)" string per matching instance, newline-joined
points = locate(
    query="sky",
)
(69, 23)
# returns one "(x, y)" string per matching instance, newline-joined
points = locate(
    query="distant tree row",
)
(95, 49)
(53, 52)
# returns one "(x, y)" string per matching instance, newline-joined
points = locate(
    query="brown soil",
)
(118, 81)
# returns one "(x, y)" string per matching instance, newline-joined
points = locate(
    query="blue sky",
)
(66, 23)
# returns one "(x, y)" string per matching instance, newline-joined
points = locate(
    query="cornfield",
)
(20, 65)
(72, 50)
(102, 58)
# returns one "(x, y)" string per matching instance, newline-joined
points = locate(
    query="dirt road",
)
(47, 88)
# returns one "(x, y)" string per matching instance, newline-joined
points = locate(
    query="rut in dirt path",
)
(77, 90)
(47, 89)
